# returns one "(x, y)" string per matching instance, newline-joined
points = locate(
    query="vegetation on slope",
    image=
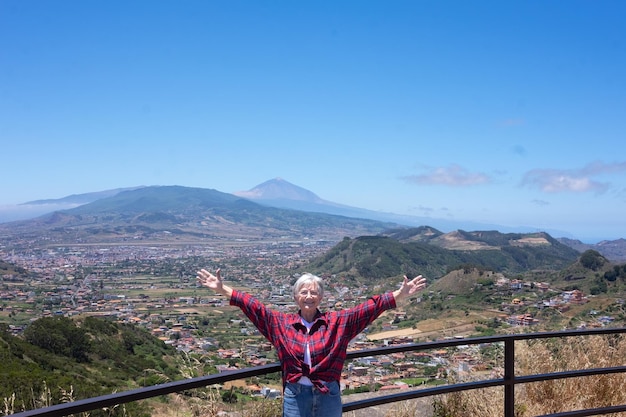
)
(90, 358)
(9, 269)
(374, 257)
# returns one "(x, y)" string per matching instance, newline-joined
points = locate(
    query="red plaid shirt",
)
(328, 339)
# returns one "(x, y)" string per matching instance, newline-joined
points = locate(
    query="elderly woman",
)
(311, 344)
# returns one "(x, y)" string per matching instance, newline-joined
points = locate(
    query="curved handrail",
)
(508, 381)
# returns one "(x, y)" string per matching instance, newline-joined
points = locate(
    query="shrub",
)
(229, 397)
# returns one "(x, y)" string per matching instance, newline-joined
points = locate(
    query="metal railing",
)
(508, 381)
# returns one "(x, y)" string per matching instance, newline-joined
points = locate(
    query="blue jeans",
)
(306, 401)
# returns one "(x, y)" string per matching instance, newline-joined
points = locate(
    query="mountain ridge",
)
(82, 198)
(284, 196)
(277, 193)
(170, 213)
(433, 254)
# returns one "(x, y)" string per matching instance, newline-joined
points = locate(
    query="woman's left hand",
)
(409, 287)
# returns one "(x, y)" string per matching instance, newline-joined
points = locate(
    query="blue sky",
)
(507, 112)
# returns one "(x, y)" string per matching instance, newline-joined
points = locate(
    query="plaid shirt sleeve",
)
(261, 316)
(362, 315)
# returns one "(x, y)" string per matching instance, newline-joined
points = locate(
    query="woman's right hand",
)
(214, 282)
(207, 279)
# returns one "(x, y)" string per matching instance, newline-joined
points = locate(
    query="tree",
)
(59, 335)
(592, 259)
(610, 275)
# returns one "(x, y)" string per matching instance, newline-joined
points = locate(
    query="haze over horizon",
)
(490, 112)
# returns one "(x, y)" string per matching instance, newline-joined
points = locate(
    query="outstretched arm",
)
(214, 282)
(261, 316)
(409, 288)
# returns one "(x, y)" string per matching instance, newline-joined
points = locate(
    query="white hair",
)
(308, 278)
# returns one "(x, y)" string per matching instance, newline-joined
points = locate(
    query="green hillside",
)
(370, 258)
(58, 358)
(591, 273)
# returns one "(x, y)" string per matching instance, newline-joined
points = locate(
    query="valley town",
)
(154, 286)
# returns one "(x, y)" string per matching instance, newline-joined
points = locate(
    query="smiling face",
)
(308, 299)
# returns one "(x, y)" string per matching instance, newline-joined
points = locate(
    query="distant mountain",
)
(36, 208)
(79, 199)
(279, 190)
(613, 250)
(174, 213)
(281, 193)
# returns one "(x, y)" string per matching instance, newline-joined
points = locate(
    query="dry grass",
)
(550, 355)
(484, 403)
(201, 402)
(412, 408)
(555, 355)
(263, 408)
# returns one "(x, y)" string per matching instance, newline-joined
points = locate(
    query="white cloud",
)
(453, 175)
(427, 211)
(576, 180)
(598, 168)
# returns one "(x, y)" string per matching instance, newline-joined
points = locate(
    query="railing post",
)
(509, 377)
